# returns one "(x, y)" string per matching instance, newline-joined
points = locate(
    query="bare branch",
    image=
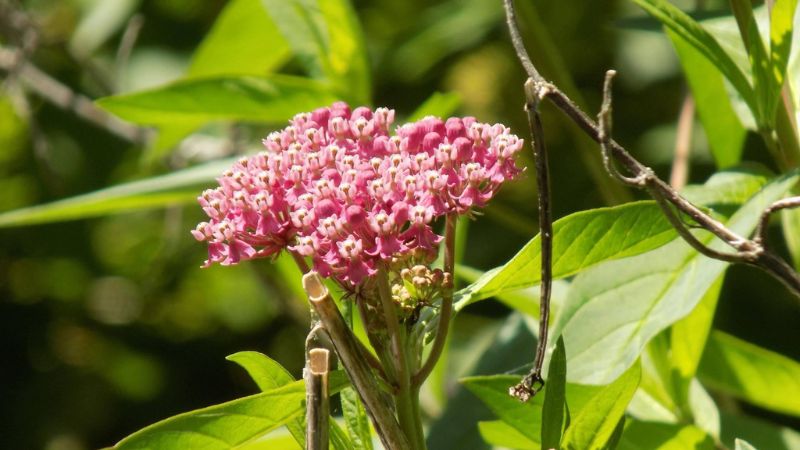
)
(55, 92)
(761, 231)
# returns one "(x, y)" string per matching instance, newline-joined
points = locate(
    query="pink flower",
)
(337, 187)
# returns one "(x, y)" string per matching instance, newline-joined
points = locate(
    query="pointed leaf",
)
(664, 436)
(595, 424)
(355, 418)
(173, 189)
(268, 374)
(500, 434)
(227, 425)
(743, 445)
(269, 98)
(695, 35)
(439, 104)
(243, 41)
(555, 398)
(581, 240)
(724, 130)
(751, 373)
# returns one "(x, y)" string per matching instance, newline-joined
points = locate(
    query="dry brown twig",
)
(747, 251)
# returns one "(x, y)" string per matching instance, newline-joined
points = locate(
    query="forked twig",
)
(747, 251)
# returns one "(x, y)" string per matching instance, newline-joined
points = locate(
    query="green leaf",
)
(743, 445)
(439, 104)
(327, 39)
(173, 189)
(594, 425)
(347, 51)
(268, 374)
(763, 435)
(688, 340)
(500, 434)
(751, 373)
(581, 240)
(243, 41)
(265, 371)
(725, 132)
(763, 82)
(271, 98)
(526, 417)
(732, 187)
(664, 436)
(355, 418)
(780, 36)
(696, 36)
(555, 398)
(227, 425)
(620, 305)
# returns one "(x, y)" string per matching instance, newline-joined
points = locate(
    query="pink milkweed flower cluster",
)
(340, 188)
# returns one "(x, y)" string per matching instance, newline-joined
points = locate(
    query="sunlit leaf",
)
(724, 130)
(555, 398)
(227, 425)
(327, 39)
(664, 436)
(580, 240)
(355, 418)
(243, 41)
(695, 35)
(620, 305)
(743, 445)
(268, 374)
(501, 434)
(439, 104)
(272, 98)
(172, 189)
(594, 425)
(751, 373)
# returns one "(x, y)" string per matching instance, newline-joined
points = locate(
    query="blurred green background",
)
(109, 324)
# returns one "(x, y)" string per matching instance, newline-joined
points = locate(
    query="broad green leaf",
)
(696, 36)
(346, 51)
(620, 305)
(227, 425)
(439, 104)
(751, 373)
(664, 436)
(327, 39)
(277, 440)
(780, 36)
(491, 350)
(733, 187)
(525, 417)
(724, 130)
(743, 445)
(688, 340)
(594, 425)
(500, 434)
(176, 188)
(268, 374)
(763, 435)
(265, 371)
(440, 31)
(271, 98)
(355, 418)
(764, 84)
(580, 240)
(555, 398)
(243, 41)
(301, 24)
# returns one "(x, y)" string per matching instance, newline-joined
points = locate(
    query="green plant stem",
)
(407, 400)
